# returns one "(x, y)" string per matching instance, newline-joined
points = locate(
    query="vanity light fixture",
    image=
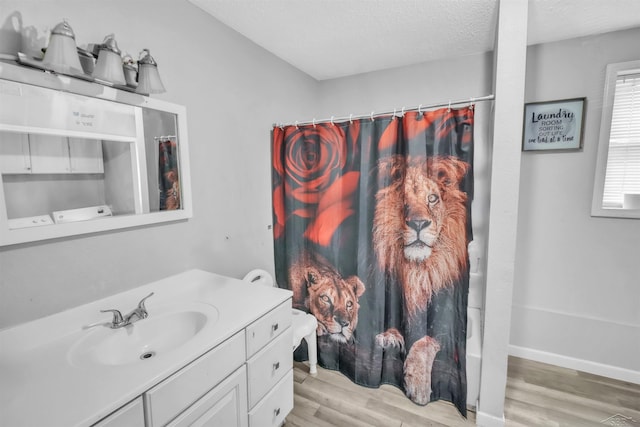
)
(148, 76)
(109, 64)
(62, 55)
(130, 71)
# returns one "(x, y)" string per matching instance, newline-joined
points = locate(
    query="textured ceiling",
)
(336, 38)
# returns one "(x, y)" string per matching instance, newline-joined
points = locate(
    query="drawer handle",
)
(276, 366)
(276, 412)
(274, 327)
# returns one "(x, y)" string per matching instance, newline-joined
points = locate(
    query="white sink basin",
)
(159, 334)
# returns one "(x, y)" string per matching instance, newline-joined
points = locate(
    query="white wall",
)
(233, 91)
(576, 296)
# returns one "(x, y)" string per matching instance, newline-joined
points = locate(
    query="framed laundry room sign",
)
(553, 125)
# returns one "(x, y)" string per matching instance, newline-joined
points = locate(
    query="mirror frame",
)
(19, 74)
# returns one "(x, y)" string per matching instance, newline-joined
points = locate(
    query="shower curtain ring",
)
(419, 109)
(351, 118)
(332, 121)
(372, 116)
(402, 113)
(394, 113)
(449, 107)
(314, 122)
(297, 125)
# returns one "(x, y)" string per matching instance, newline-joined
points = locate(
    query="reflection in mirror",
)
(76, 179)
(162, 153)
(54, 179)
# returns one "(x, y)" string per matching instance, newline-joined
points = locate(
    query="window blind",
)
(623, 163)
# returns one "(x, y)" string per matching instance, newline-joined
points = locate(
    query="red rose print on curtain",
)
(313, 176)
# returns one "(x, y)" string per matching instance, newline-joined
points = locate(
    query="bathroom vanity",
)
(213, 351)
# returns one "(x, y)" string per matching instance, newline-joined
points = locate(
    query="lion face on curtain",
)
(419, 225)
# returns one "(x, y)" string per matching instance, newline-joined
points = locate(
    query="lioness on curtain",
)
(371, 226)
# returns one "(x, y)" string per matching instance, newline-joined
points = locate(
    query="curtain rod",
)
(395, 111)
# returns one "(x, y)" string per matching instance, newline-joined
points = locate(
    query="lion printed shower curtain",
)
(371, 226)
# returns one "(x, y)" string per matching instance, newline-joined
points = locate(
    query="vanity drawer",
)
(272, 410)
(268, 367)
(269, 326)
(167, 399)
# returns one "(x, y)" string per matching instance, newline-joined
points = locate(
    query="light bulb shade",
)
(130, 75)
(149, 79)
(87, 61)
(62, 55)
(130, 71)
(109, 67)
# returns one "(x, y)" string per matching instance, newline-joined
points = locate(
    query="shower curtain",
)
(371, 226)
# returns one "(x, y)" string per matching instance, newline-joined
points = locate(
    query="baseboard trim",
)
(485, 420)
(595, 368)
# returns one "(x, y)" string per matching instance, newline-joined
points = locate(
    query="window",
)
(617, 184)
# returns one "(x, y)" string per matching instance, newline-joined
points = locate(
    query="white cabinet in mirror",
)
(78, 157)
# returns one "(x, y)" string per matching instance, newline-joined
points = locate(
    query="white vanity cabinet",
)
(225, 405)
(270, 368)
(131, 414)
(253, 377)
(184, 388)
(233, 370)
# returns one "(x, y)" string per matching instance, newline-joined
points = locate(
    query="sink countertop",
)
(40, 386)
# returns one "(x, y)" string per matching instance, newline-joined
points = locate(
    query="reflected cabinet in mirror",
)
(77, 157)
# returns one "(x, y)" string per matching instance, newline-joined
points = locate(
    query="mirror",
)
(161, 148)
(73, 164)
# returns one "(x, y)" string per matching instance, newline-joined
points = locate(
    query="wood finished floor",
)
(537, 395)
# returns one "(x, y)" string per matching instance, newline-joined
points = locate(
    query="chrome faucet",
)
(138, 313)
